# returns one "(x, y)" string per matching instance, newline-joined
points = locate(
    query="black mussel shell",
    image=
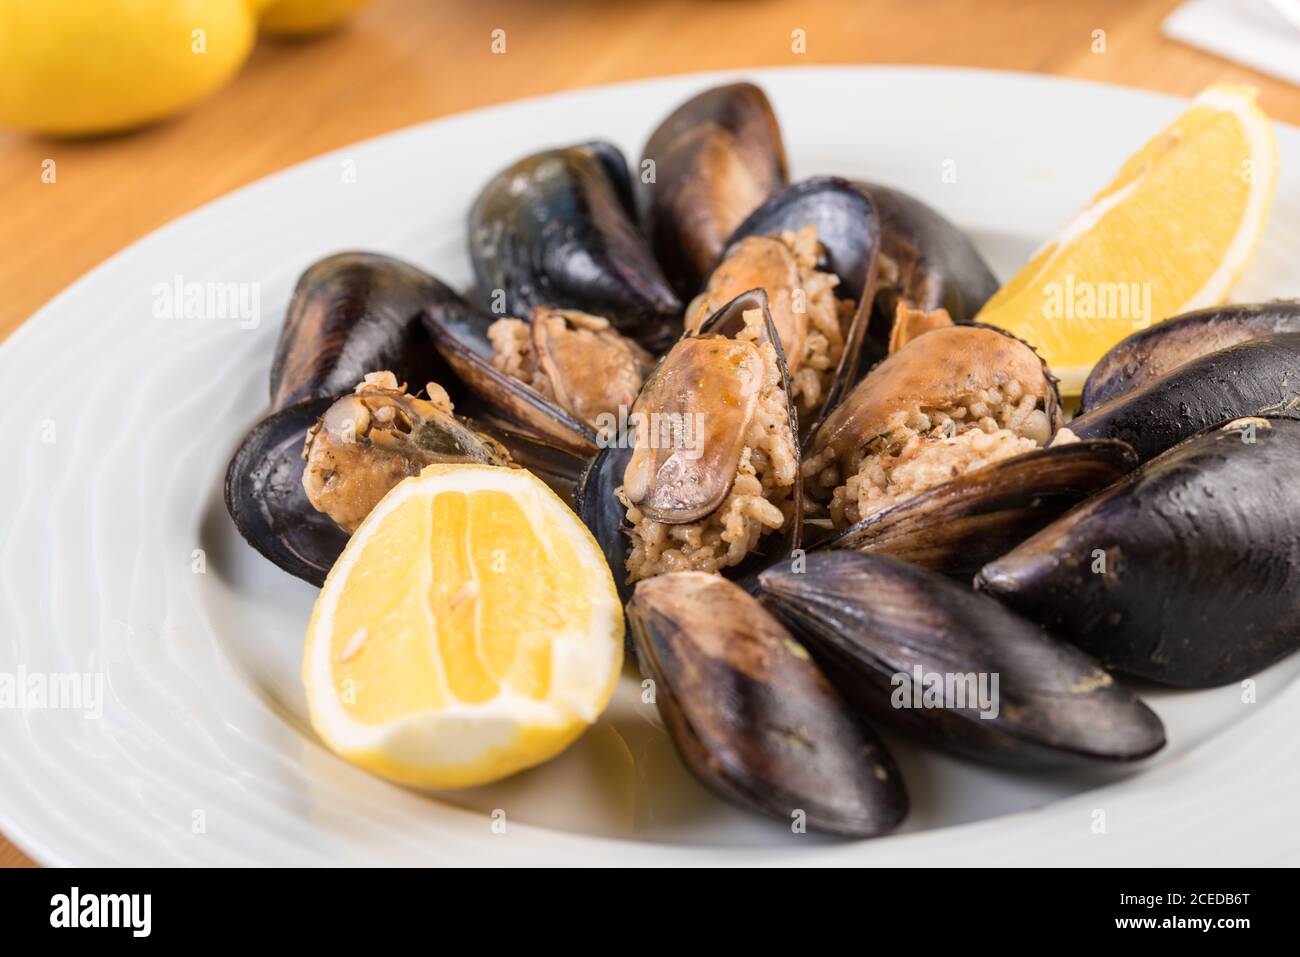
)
(716, 158)
(957, 527)
(1257, 377)
(603, 514)
(848, 227)
(934, 263)
(556, 229)
(1160, 349)
(1187, 572)
(920, 652)
(354, 313)
(459, 331)
(751, 715)
(265, 497)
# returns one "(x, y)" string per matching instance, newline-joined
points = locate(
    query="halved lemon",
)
(1172, 232)
(470, 629)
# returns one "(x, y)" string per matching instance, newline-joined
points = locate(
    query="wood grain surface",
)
(399, 62)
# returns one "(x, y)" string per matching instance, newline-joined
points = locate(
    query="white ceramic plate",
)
(120, 423)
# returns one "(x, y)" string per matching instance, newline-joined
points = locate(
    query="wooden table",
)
(403, 61)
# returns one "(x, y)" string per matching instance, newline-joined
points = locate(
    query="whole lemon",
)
(294, 17)
(93, 66)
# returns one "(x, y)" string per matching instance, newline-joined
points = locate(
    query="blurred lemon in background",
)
(94, 66)
(295, 17)
(90, 66)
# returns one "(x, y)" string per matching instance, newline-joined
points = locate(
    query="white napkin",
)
(1264, 34)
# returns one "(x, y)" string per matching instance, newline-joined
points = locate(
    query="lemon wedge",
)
(1172, 232)
(470, 629)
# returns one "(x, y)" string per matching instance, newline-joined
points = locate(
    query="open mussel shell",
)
(847, 222)
(556, 229)
(957, 527)
(604, 515)
(926, 263)
(751, 715)
(460, 332)
(849, 231)
(716, 158)
(354, 313)
(1160, 349)
(1257, 377)
(1187, 572)
(265, 497)
(953, 666)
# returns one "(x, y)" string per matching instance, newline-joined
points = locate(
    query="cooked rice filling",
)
(923, 448)
(759, 501)
(828, 318)
(825, 317)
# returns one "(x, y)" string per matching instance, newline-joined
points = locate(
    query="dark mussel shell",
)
(351, 314)
(848, 227)
(556, 229)
(598, 506)
(1187, 572)
(354, 313)
(927, 261)
(1257, 377)
(1156, 351)
(751, 715)
(459, 331)
(716, 158)
(849, 230)
(873, 623)
(957, 527)
(265, 497)
(603, 514)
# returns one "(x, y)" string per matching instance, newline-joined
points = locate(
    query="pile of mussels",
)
(771, 406)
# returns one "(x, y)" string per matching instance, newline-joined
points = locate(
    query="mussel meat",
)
(1160, 349)
(1257, 377)
(1187, 572)
(367, 442)
(955, 667)
(564, 376)
(716, 158)
(556, 229)
(751, 715)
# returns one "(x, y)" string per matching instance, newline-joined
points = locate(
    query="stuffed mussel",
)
(562, 375)
(711, 478)
(1187, 572)
(752, 716)
(955, 667)
(351, 314)
(342, 430)
(812, 249)
(940, 454)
